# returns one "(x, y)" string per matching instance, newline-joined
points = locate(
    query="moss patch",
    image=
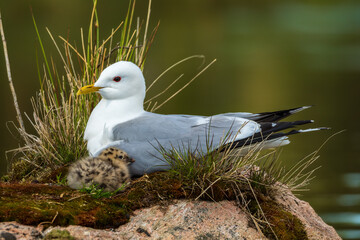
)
(280, 222)
(32, 204)
(57, 234)
(284, 224)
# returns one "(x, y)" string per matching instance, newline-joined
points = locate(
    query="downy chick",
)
(108, 171)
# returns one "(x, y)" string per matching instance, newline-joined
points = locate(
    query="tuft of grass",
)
(96, 192)
(249, 167)
(217, 168)
(61, 179)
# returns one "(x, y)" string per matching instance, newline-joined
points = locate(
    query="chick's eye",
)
(117, 79)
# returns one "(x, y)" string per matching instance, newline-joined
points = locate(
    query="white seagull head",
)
(119, 81)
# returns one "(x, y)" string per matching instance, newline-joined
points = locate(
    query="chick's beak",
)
(88, 89)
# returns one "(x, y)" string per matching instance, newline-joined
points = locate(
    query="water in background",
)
(270, 57)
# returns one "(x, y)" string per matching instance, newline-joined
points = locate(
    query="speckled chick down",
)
(109, 170)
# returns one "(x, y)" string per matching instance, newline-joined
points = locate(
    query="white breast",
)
(103, 118)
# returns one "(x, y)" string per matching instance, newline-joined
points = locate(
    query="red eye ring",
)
(117, 79)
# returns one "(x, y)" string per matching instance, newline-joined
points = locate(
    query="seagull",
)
(119, 120)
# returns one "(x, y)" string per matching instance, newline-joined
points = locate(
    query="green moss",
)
(284, 224)
(57, 234)
(32, 204)
(104, 220)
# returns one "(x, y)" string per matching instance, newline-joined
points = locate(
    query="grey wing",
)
(142, 137)
(151, 126)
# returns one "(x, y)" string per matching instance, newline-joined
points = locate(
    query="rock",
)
(315, 227)
(186, 219)
(15, 231)
(183, 219)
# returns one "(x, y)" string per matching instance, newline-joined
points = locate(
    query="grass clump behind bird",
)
(238, 168)
(59, 117)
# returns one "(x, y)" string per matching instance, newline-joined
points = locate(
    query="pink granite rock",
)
(15, 231)
(183, 219)
(187, 219)
(315, 227)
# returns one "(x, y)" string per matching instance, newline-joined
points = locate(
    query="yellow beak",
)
(88, 89)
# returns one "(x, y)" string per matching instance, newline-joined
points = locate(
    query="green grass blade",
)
(43, 50)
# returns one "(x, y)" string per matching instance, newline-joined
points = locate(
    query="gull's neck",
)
(116, 111)
(122, 109)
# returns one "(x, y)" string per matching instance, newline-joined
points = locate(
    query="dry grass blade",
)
(171, 67)
(73, 48)
(142, 51)
(299, 175)
(8, 71)
(183, 87)
(261, 211)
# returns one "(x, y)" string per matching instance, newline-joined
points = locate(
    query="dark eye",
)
(117, 79)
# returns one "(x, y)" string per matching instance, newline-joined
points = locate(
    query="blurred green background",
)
(270, 56)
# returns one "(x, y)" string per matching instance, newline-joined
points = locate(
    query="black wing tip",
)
(276, 116)
(267, 136)
(269, 127)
